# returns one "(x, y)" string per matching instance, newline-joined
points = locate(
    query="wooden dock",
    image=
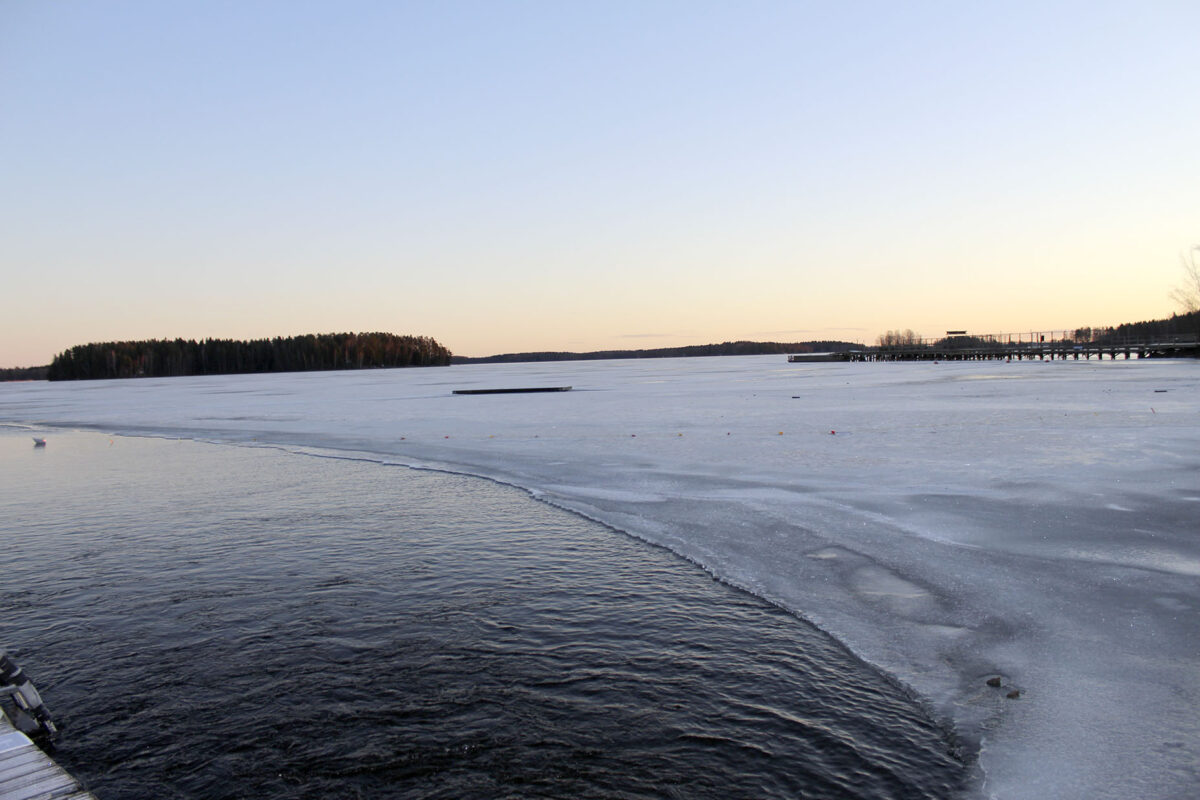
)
(26, 773)
(1018, 347)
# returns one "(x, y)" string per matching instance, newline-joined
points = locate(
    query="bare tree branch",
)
(1187, 294)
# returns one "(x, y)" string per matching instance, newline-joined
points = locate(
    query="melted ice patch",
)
(880, 585)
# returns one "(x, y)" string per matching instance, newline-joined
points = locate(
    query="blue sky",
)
(536, 175)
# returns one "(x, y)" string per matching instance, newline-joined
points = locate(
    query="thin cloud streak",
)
(795, 331)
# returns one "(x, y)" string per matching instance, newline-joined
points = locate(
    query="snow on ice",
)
(1033, 522)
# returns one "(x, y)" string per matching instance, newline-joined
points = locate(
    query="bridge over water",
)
(1035, 345)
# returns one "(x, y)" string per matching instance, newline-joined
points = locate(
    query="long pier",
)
(1044, 346)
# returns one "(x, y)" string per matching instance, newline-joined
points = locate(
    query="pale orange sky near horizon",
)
(594, 176)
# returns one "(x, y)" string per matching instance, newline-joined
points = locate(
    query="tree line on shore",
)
(24, 373)
(166, 357)
(174, 357)
(1177, 325)
(1187, 324)
(741, 348)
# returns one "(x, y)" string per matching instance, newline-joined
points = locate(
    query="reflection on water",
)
(220, 622)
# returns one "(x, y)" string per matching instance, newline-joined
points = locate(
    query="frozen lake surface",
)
(950, 523)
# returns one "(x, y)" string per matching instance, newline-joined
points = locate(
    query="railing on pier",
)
(1084, 343)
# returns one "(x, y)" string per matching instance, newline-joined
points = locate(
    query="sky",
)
(512, 176)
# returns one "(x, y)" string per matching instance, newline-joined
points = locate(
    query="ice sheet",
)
(948, 522)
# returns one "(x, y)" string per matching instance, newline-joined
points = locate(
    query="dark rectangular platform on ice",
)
(514, 391)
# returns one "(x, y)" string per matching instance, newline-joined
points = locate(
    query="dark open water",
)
(212, 621)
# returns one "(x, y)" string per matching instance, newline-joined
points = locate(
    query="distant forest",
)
(364, 350)
(724, 349)
(1178, 324)
(23, 373)
(171, 357)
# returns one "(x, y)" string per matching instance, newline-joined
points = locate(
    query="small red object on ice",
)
(833, 433)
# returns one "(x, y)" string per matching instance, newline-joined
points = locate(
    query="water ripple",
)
(220, 622)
